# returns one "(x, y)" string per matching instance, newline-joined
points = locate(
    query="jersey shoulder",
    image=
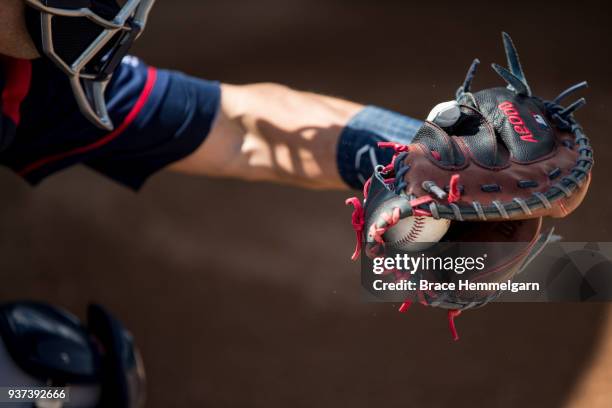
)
(160, 116)
(15, 80)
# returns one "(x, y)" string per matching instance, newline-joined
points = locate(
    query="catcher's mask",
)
(43, 346)
(87, 40)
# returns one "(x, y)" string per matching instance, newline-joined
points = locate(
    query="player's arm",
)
(273, 133)
(164, 118)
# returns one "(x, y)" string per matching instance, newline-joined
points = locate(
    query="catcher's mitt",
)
(506, 155)
(515, 244)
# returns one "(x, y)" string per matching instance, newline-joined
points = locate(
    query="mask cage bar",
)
(88, 88)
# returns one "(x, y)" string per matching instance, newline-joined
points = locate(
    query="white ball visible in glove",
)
(416, 233)
(445, 114)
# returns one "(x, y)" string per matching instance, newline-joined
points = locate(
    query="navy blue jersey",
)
(159, 116)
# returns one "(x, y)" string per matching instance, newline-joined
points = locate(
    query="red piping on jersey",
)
(18, 78)
(142, 99)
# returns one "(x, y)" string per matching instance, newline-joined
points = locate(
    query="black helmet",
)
(87, 39)
(96, 364)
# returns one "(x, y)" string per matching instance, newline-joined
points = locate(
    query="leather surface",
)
(486, 150)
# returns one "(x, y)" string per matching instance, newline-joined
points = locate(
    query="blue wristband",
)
(358, 153)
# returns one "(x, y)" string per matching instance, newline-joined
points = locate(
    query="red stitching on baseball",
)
(414, 233)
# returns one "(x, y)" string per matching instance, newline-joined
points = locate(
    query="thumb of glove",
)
(445, 114)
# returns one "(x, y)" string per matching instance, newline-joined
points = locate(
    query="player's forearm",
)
(270, 132)
(290, 136)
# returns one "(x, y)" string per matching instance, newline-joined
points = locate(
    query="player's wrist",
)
(357, 153)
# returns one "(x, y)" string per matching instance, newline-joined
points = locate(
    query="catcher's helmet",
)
(43, 346)
(87, 40)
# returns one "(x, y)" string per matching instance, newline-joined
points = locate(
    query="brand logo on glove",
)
(515, 119)
(541, 121)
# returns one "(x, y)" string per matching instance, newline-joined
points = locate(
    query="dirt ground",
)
(244, 295)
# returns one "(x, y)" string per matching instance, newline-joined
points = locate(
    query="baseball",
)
(416, 233)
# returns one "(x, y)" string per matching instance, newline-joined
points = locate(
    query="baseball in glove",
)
(499, 155)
